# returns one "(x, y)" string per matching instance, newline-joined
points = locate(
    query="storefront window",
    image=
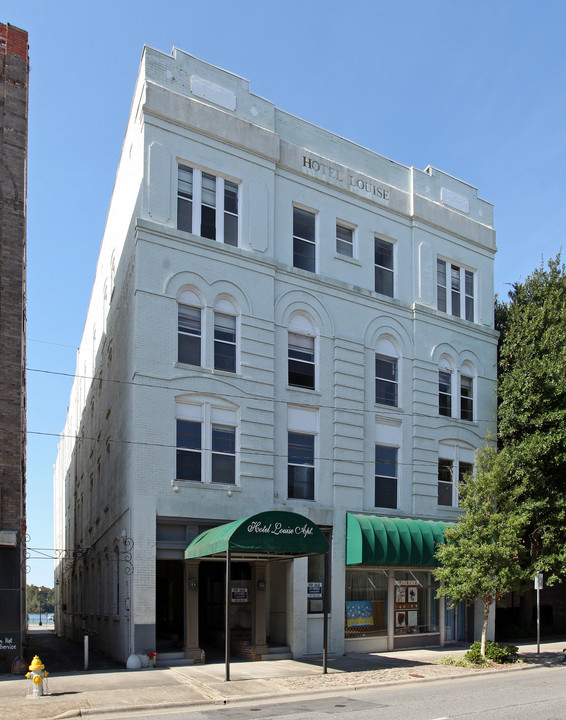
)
(366, 603)
(416, 606)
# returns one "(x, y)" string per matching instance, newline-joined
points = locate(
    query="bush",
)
(493, 651)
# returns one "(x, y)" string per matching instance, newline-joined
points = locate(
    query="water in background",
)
(46, 618)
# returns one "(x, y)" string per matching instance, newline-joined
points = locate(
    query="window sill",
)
(208, 485)
(296, 388)
(348, 259)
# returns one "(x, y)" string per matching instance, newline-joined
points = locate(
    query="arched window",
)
(189, 328)
(225, 335)
(467, 382)
(445, 389)
(386, 373)
(301, 352)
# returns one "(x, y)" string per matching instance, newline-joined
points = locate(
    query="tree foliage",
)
(532, 409)
(482, 554)
(36, 594)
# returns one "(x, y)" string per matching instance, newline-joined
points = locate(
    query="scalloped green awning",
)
(377, 540)
(275, 533)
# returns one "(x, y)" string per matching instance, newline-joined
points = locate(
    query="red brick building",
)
(14, 72)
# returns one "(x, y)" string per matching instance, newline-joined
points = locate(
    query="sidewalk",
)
(108, 686)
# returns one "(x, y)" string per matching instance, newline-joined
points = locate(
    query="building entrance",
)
(170, 615)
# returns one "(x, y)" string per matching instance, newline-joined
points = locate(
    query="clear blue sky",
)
(476, 89)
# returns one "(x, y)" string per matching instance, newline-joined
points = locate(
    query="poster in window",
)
(412, 594)
(359, 612)
(412, 618)
(400, 619)
(400, 594)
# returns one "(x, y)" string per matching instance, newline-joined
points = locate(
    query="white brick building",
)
(281, 320)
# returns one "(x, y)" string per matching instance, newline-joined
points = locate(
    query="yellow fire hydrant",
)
(38, 674)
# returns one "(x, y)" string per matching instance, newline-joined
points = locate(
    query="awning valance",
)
(377, 540)
(274, 533)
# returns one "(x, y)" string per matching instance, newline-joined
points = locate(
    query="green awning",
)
(377, 540)
(274, 533)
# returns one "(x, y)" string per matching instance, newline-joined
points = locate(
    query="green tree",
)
(481, 557)
(40, 598)
(532, 409)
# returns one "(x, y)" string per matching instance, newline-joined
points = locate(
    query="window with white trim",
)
(224, 342)
(207, 205)
(344, 240)
(467, 397)
(385, 476)
(302, 430)
(304, 239)
(386, 380)
(445, 393)
(189, 335)
(301, 347)
(384, 270)
(455, 464)
(206, 441)
(455, 290)
(301, 465)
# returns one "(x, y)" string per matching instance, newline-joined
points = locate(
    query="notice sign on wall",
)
(239, 595)
(314, 589)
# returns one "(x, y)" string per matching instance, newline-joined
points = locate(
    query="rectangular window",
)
(441, 285)
(224, 342)
(189, 335)
(469, 295)
(466, 398)
(189, 450)
(445, 393)
(223, 454)
(383, 267)
(185, 199)
(301, 361)
(301, 466)
(465, 470)
(304, 248)
(344, 240)
(455, 290)
(385, 476)
(445, 483)
(366, 602)
(386, 380)
(207, 205)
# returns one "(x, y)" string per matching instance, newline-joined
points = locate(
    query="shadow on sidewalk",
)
(64, 656)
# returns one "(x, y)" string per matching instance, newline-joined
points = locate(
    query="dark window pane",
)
(383, 254)
(223, 439)
(303, 224)
(301, 482)
(465, 470)
(184, 215)
(231, 229)
(189, 434)
(224, 357)
(208, 222)
(385, 393)
(188, 465)
(230, 197)
(385, 461)
(444, 494)
(384, 281)
(445, 393)
(386, 492)
(301, 448)
(385, 367)
(189, 349)
(301, 374)
(303, 255)
(470, 309)
(223, 469)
